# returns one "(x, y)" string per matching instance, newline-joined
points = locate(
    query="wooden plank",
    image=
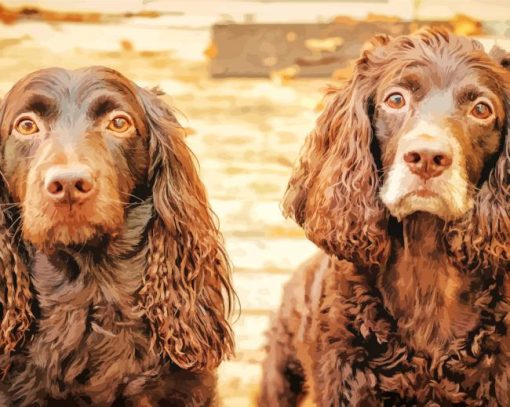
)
(310, 50)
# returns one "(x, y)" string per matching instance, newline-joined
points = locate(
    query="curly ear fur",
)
(15, 295)
(187, 293)
(333, 189)
(482, 238)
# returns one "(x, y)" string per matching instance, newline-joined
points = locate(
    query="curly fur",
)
(357, 325)
(133, 317)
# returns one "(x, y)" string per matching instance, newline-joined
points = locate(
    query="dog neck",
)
(423, 290)
(100, 259)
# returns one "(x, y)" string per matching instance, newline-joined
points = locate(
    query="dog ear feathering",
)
(332, 192)
(16, 314)
(186, 293)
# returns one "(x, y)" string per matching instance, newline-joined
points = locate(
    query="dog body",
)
(91, 345)
(115, 287)
(333, 343)
(404, 185)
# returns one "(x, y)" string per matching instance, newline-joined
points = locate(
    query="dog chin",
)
(433, 204)
(67, 235)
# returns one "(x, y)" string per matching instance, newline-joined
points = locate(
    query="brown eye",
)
(119, 124)
(481, 111)
(395, 101)
(26, 127)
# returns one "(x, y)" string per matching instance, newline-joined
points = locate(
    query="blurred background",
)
(247, 78)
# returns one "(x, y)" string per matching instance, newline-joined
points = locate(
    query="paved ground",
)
(246, 134)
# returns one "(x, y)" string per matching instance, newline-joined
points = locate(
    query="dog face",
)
(438, 124)
(421, 125)
(75, 146)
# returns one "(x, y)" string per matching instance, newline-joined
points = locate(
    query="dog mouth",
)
(64, 224)
(421, 197)
(423, 192)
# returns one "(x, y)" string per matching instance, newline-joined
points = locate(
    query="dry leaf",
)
(371, 18)
(283, 76)
(465, 25)
(126, 46)
(324, 44)
(344, 20)
(211, 51)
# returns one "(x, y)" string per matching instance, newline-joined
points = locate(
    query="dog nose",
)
(71, 184)
(427, 163)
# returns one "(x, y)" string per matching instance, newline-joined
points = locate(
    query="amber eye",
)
(119, 124)
(481, 111)
(26, 127)
(395, 101)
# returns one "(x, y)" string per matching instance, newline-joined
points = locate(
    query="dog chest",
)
(88, 344)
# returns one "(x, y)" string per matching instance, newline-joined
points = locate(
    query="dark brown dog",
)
(405, 185)
(114, 284)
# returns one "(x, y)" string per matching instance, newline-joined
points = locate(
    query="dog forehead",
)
(72, 93)
(70, 85)
(438, 102)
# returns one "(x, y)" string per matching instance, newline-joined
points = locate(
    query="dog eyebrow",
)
(470, 93)
(410, 83)
(101, 106)
(42, 105)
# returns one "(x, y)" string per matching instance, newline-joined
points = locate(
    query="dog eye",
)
(119, 124)
(26, 126)
(395, 101)
(481, 111)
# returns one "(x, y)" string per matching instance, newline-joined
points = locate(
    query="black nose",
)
(69, 184)
(427, 163)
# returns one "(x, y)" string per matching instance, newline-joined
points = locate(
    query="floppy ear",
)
(482, 239)
(333, 189)
(187, 293)
(15, 295)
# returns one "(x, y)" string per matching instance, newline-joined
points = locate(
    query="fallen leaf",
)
(211, 51)
(465, 25)
(344, 20)
(371, 18)
(324, 44)
(126, 46)
(283, 76)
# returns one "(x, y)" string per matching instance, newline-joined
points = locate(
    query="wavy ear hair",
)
(187, 293)
(482, 239)
(333, 189)
(15, 295)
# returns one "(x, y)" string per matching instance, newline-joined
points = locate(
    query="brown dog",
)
(114, 284)
(405, 185)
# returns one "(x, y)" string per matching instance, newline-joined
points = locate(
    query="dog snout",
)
(69, 184)
(427, 162)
